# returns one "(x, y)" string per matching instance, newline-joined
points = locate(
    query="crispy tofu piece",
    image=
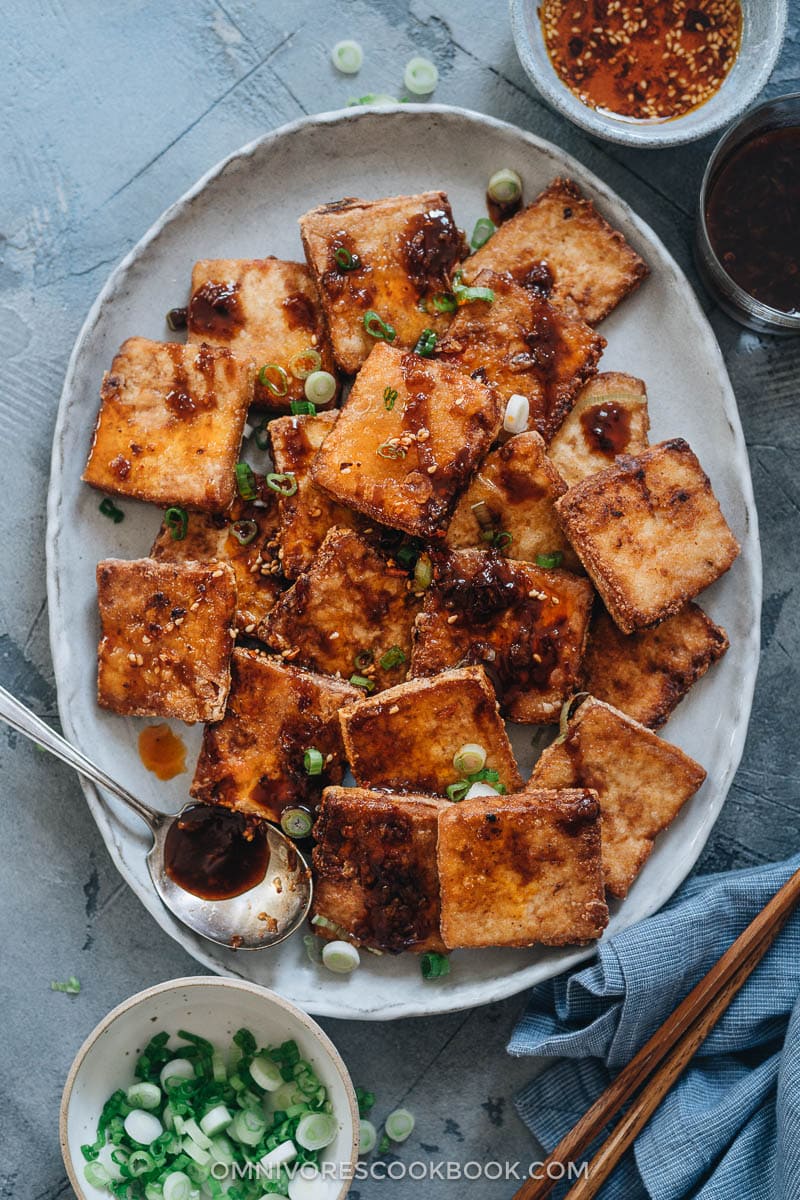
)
(375, 873)
(210, 536)
(562, 248)
(520, 345)
(252, 760)
(265, 311)
(403, 459)
(609, 418)
(647, 674)
(405, 249)
(405, 738)
(306, 516)
(641, 781)
(521, 870)
(650, 533)
(166, 638)
(170, 424)
(526, 626)
(346, 613)
(514, 491)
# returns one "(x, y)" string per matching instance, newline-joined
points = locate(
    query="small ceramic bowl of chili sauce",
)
(649, 73)
(748, 226)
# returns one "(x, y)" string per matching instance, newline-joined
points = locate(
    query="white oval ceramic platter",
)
(248, 207)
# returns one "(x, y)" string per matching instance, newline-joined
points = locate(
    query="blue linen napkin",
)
(730, 1128)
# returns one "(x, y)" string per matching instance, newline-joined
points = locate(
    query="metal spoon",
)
(261, 917)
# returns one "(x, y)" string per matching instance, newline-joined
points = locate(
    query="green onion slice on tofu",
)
(484, 228)
(361, 681)
(345, 259)
(305, 363)
(246, 481)
(320, 387)
(465, 295)
(109, 509)
(296, 822)
(176, 520)
(434, 966)
(284, 485)
(443, 302)
(364, 659)
(549, 561)
(392, 449)
(469, 757)
(426, 343)
(389, 398)
(302, 408)
(260, 435)
(377, 328)
(244, 531)
(367, 1136)
(313, 761)
(394, 657)
(274, 378)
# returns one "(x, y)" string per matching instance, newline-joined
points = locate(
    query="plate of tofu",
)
(439, 550)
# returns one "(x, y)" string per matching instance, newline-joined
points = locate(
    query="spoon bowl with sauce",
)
(233, 879)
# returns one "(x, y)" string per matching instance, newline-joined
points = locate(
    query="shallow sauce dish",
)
(249, 205)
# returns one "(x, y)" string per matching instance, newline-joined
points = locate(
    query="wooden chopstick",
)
(676, 1042)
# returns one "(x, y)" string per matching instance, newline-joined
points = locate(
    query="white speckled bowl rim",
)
(749, 74)
(660, 334)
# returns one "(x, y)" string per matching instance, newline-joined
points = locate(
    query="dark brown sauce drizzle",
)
(300, 312)
(216, 853)
(607, 428)
(433, 246)
(215, 309)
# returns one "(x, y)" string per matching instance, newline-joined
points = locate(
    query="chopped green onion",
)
(244, 531)
(305, 363)
(265, 1073)
(96, 1174)
(142, 1127)
(364, 659)
(345, 260)
(320, 387)
(376, 327)
(484, 228)
(313, 761)
(261, 435)
(423, 572)
(347, 56)
(284, 485)
(477, 790)
(302, 408)
(367, 1136)
(389, 398)
(465, 295)
(175, 1072)
(394, 657)
(384, 1145)
(517, 414)
(361, 681)
(313, 948)
(497, 538)
(246, 481)
(426, 343)
(457, 791)
(316, 1130)
(407, 556)
(505, 186)
(193, 1130)
(392, 449)
(177, 1186)
(143, 1095)
(296, 822)
(443, 302)
(340, 957)
(469, 758)
(434, 966)
(215, 1120)
(109, 509)
(549, 561)
(420, 76)
(176, 520)
(279, 388)
(399, 1124)
(72, 986)
(381, 99)
(177, 318)
(365, 1101)
(248, 1127)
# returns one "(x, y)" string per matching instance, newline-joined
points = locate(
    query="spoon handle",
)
(24, 721)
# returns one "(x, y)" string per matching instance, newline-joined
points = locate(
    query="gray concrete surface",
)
(108, 111)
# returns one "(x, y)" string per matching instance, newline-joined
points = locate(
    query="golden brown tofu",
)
(267, 312)
(609, 418)
(526, 626)
(520, 345)
(306, 516)
(245, 537)
(513, 492)
(521, 870)
(641, 781)
(374, 864)
(405, 739)
(166, 638)
(387, 257)
(650, 533)
(170, 424)
(349, 614)
(562, 248)
(253, 759)
(647, 674)
(408, 439)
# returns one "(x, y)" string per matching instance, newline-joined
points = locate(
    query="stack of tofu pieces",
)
(430, 576)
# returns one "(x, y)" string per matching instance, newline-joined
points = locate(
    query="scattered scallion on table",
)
(71, 986)
(420, 76)
(347, 56)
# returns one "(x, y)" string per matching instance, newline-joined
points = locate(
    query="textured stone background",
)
(108, 112)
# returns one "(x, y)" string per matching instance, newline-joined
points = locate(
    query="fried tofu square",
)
(519, 344)
(166, 638)
(525, 625)
(387, 257)
(407, 440)
(253, 759)
(642, 783)
(170, 424)
(649, 532)
(647, 674)
(349, 614)
(246, 538)
(266, 312)
(610, 417)
(375, 873)
(513, 493)
(308, 514)
(406, 738)
(564, 250)
(522, 870)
